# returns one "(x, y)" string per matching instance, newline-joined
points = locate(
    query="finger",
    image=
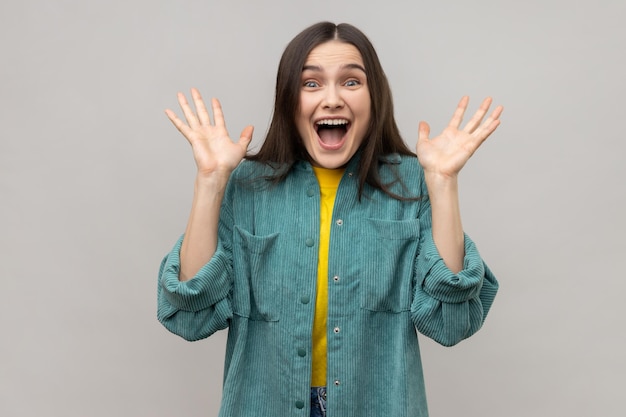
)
(478, 116)
(246, 137)
(180, 125)
(192, 120)
(457, 117)
(203, 113)
(486, 131)
(218, 115)
(489, 125)
(497, 112)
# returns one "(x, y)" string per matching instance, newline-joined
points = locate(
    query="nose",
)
(332, 98)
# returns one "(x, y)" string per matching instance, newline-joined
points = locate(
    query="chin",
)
(331, 161)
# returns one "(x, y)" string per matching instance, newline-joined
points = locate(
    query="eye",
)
(352, 83)
(310, 84)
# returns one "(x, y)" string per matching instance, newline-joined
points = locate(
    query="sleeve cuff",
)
(209, 286)
(441, 283)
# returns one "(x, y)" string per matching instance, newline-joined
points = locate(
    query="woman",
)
(324, 252)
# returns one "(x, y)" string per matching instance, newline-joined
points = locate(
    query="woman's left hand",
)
(445, 155)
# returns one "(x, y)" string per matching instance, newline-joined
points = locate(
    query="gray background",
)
(96, 186)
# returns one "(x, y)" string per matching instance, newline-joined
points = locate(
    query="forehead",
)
(334, 53)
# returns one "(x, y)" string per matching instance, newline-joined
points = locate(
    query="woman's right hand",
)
(213, 149)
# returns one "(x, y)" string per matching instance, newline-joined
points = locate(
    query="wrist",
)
(215, 181)
(437, 183)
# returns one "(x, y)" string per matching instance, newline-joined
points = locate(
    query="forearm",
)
(200, 241)
(447, 228)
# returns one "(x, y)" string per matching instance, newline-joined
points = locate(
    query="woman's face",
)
(334, 108)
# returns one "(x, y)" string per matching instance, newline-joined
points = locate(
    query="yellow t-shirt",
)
(329, 181)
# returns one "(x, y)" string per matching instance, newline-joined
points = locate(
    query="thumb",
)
(423, 132)
(246, 136)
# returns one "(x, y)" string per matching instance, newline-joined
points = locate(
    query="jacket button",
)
(310, 192)
(305, 299)
(339, 222)
(336, 329)
(299, 404)
(302, 352)
(336, 278)
(337, 382)
(309, 242)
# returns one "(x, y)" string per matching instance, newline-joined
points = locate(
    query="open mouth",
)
(332, 132)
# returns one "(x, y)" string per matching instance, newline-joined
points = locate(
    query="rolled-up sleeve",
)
(449, 307)
(197, 308)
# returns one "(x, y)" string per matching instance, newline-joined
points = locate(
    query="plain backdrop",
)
(96, 186)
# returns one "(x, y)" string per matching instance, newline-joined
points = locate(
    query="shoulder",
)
(258, 176)
(402, 165)
(250, 171)
(247, 169)
(403, 174)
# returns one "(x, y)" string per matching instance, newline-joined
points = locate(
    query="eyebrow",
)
(317, 68)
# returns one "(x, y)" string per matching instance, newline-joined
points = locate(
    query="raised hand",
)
(213, 149)
(446, 154)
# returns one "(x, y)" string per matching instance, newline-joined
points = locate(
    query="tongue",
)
(331, 136)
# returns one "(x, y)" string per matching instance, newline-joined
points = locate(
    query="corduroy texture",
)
(262, 278)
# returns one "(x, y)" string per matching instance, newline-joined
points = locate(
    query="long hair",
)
(283, 145)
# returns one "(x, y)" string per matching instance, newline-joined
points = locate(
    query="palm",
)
(213, 149)
(447, 153)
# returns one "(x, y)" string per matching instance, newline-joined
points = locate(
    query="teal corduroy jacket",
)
(386, 280)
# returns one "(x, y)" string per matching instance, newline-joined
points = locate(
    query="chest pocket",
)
(386, 279)
(257, 290)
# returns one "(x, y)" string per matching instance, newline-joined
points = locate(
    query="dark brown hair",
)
(283, 145)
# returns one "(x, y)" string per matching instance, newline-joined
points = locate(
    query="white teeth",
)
(332, 122)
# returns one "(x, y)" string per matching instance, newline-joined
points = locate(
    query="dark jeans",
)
(318, 402)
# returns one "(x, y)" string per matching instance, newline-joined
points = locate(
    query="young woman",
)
(325, 251)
